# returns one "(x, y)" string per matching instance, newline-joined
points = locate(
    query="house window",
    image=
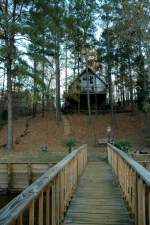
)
(84, 78)
(92, 88)
(91, 79)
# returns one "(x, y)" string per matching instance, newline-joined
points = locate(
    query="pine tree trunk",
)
(43, 94)
(142, 79)
(109, 84)
(34, 92)
(66, 69)
(57, 63)
(88, 91)
(131, 85)
(96, 108)
(9, 43)
(78, 71)
(123, 94)
(9, 100)
(79, 103)
(109, 67)
(78, 63)
(110, 80)
(2, 93)
(74, 68)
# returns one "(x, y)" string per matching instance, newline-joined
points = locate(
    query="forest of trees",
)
(45, 43)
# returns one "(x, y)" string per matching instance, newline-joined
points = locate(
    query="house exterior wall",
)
(76, 98)
(95, 84)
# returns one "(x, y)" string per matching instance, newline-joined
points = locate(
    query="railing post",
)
(31, 213)
(134, 180)
(62, 192)
(53, 202)
(19, 220)
(57, 199)
(148, 206)
(47, 206)
(40, 219)
(52, 191)
(141, 202)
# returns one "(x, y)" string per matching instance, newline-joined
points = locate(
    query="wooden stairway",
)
(97, 200)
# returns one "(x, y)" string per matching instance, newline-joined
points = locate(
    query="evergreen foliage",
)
(70, 142)
(124, 145)
(39, 38)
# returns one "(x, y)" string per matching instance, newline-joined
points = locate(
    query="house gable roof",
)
(92, 72)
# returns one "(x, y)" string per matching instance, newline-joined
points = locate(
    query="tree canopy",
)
(46, 43)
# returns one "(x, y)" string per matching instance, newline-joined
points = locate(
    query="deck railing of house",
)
(134, 181)
(46, 200)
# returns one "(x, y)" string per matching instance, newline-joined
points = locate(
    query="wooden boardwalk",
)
(97, 200)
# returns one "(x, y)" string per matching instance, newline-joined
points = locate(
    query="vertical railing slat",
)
(31, 213)
(135, 184)
(48, 206)
(19, 220)
(53, 205)
(40, 216)
(148, 195)
(49, 195)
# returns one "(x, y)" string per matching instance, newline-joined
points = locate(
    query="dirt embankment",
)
(40, 131)
(126, 126)
(46, 131)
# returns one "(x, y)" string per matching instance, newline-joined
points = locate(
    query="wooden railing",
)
(134, 181)
(18, 176)
(143, 159)
(146, 164)
(45, 201)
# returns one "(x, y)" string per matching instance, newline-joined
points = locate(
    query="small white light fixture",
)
(108, 129)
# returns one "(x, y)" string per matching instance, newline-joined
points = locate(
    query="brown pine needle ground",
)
(46, 131)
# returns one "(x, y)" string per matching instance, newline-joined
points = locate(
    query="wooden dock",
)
(97, 199)
(74, 192)
(16, 177)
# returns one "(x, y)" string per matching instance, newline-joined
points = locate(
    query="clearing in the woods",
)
(30, 139)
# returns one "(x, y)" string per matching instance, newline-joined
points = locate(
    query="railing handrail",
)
(28, 163)
(20, 202)
(141, 171)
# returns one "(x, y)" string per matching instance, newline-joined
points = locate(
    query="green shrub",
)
(44, 148)
(146, 107)
(124, 145)
(147, 140)
(70, 142)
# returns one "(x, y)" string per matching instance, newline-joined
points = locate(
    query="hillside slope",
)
(127, 126)
(46, 131)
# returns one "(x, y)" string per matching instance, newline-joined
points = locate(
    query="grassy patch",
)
(33, 157)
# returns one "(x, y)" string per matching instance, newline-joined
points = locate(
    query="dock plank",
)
(97, 200)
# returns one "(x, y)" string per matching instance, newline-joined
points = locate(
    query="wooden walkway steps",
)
(67, 128)
(97, 200)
